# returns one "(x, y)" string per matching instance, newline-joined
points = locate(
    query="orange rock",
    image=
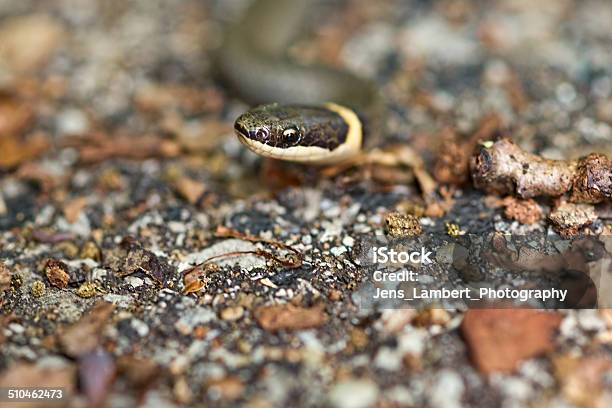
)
(57, 274)
(524, 211)
(228, 388)
(289, 317)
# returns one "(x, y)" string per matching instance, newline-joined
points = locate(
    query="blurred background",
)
(74, 73)
(145, 67)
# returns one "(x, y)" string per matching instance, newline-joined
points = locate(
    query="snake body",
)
(309, 114)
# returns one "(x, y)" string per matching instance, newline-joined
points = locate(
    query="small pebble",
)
(140, 327)
(38, 288)
(447, 390)
(87, 290)
(453, 229)
(90, 250)
(348, 241)
(72, 121)
(134, 281)
(16, 328)
(354, 394)
(57, 274)
(232, 313)
(403, 225)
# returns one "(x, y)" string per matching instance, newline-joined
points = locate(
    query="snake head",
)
(272, 125)
(308, 134)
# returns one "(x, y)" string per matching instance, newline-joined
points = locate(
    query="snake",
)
(309, 114)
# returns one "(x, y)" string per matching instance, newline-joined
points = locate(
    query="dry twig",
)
(503, 167)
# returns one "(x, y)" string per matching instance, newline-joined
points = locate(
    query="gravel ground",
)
(120, 176)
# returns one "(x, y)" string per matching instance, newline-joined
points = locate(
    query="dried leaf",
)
(96, 376)
(15, 116)
(16, 150)
(193, 286)
(140, 259)
(499, 339)
(582, 380)
(84, 336)
(406, 156)
(139, 373)
(195, 279)
(73, 208)
(190, 189)
(267, 282)
(98, 147)
(5, 277)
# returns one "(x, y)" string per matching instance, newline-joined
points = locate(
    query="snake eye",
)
(262, 135)
(292, 135)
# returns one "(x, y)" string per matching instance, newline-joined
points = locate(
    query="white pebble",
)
(354, 394)
(447, 390)
(72, 121)
(134, 281)
(16, 328)
(348, 241)
(337, 251)
(140, 327)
